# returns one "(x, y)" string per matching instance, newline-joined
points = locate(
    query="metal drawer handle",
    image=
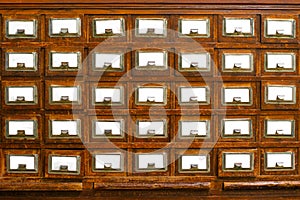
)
(107, 166)
(21, 167)
(194, 99)
(107, 100)
(280, 97)
(237, 166)
(237, 131)
(194, 167)
(63, 168)
(151, 165)
(151, 132)
(20, 133)
(237, 99)
(108, 132)
(20, 98)
(64, 31)
(279, 165)
(193, 31)
(194, 64)
(20, 32)
(151, 99)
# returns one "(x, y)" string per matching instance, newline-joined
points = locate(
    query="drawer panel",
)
(64, 163)
(20, 163)
(21, 27)
(233, 162)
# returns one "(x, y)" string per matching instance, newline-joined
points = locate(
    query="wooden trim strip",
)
(261, 185)
(147, 186)
(295, 2)
(38, 186)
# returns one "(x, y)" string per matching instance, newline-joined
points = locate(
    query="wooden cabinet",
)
(136, 95)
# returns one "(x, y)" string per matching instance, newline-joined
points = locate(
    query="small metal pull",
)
(279, 65)
(237, 65)
(193, 31)
(107, 64)
(151, 99)
(151, 132)
(64, 31)
(194, 132)
(237, 100)
(20, 65)
(238, 30)
(109, 31)
(194, 64)
(107, 132)
(237, 131)
(107, 166)
(20, 32)
(194, 167)
(151, 63)
(279, 165)
(151, 165)
(279, 132)
(20, 98)
(280, 32)
(64, 98)
(64, 65)
(151, 31)
(280, 98)
(21, 133)
(107, 100)
(64, 133)
(194, 99)
(63, 168)
(237, 166)
(22, 167)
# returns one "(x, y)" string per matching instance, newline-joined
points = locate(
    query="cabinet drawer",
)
(68, 94)
(151, 28)
(107, 95)
(65, 61)
(194, 161)
(194, 128)
(109, 62)
(21, 94)
(151, 94)
(238, 95)
(237, 62)
(243, 27)
(151, 162)
(277, 161)
(103, 162)
(22, 163)
(238, 162)
(64, 128)
(102, 27)
(279, 95)
(280, 28)
(156, 128)
(22, 28)
(152, 62)
(108, 128)
(19, 62)
(274, 127)
(194, 27)
(280, 62)
(64, 163)
(68, 27)
(22, 128)
(237, 128)
(194, 94)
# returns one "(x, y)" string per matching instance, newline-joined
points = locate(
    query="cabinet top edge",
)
(116, 2)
